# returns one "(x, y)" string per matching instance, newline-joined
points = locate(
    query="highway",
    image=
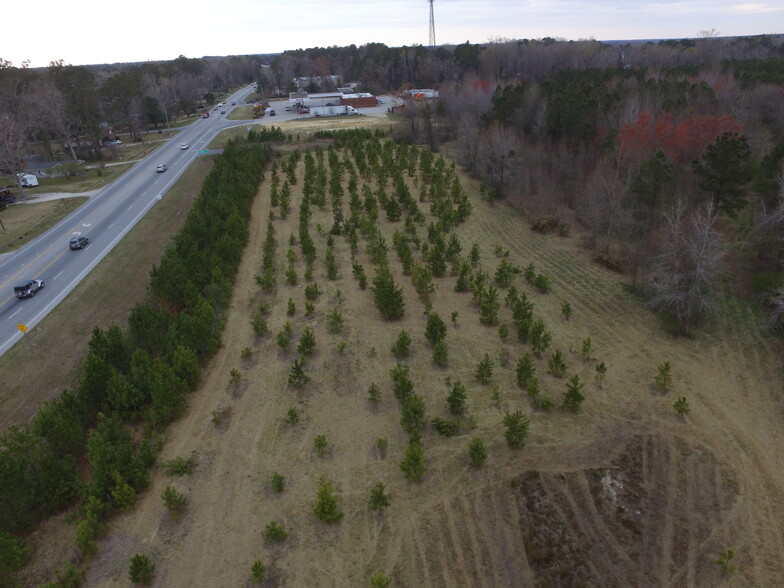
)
(105, 219)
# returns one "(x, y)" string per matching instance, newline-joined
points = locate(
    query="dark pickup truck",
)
(28, 289)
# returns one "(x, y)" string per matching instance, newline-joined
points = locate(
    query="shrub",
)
(402, 346)
(291, 275)
(174, 502)
(401, 383)
(292, 416)
(307, 342)
(381, 446)
(258, 570)
(335, 321)
(374, 393)
(380, 581)
(664, 376)
(297, 376)
(542, 283)
(587, 348)
(435, 330)
(413, 464)
(441, 354)
(312, 292)
(291, 308)
(278, 483)
(601, 371)
(320, 444)
(13, 555)
(447, 428)
(477, 453)
(412, 414)
(566, 309)
(456, 398)
(275, 532)
(681, 406)
(725, 564)
(525, 370)
(141, 570)
(259, 324)
(283, 338)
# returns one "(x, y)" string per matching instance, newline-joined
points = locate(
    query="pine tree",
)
(388, 295)
(484, 371)
(326, 507)
(516, 424)
(379, 499)
(573, 397)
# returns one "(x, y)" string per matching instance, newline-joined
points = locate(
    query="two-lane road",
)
(105, 219)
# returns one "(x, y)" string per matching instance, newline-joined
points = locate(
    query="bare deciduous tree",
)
(499, 158)
(689, 265)
(600, 205)
(14, 147)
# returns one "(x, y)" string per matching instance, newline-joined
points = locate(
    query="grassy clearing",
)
(455, 527)
(23, 222)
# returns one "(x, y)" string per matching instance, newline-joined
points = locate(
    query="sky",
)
(85, 32)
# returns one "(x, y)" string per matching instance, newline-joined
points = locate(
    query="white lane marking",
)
(58, 275)
(18, 310)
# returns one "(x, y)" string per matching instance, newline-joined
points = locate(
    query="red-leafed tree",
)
(681, 141)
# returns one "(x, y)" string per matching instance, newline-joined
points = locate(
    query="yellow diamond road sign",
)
(22, 327)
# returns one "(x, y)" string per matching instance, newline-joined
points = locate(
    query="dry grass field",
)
(623, 493)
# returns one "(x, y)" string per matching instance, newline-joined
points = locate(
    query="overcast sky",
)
(88, 31)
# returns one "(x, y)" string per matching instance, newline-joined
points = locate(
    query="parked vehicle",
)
(333, 110)
(28, 180)
(205, 114)
(78, 242)
(28, 289)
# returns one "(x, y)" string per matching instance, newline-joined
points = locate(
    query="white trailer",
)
(332, 110)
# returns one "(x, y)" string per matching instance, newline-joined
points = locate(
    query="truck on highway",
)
(28, 289)
(332, 110)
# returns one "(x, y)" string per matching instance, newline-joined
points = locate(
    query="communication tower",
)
(432, 39)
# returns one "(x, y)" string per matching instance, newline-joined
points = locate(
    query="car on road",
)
(223, 112)
(28, 289)
(161, 168)
(234, 104)
(288, 109)
(79, 242)
(271, 112)
(183, 146)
